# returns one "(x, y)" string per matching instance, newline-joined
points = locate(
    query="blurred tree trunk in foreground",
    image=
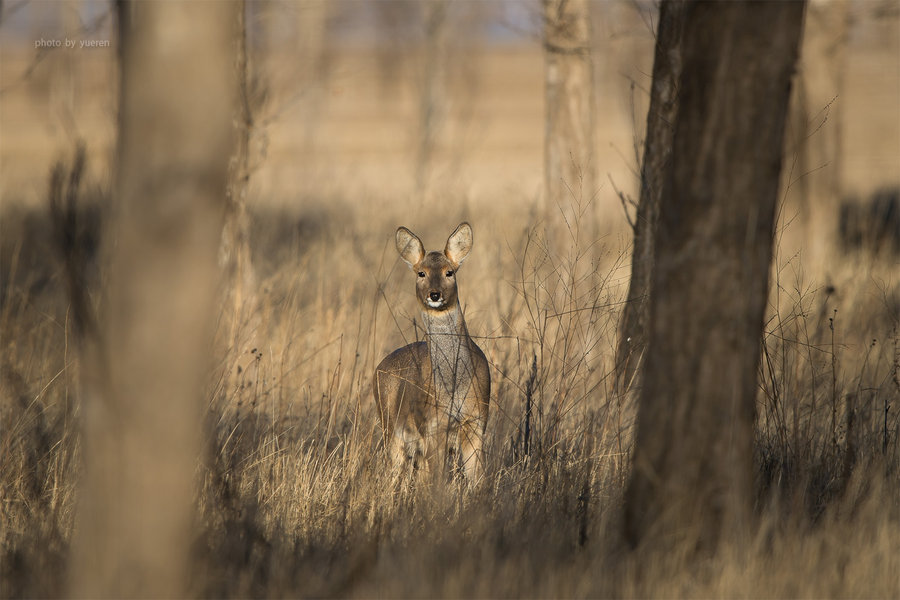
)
(657, 153)
(142, 415)
(691, 483)
(569, 172)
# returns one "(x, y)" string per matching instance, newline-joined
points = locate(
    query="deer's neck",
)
(451, 357)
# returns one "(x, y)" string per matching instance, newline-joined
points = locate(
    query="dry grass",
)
(293, 497)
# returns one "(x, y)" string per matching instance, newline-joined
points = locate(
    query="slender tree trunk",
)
(313, 58)
(66, 82)
(569, 172)
(692, 476)
(657, 154)
(142, 417)
(234, 253)
(823, 74)
(433, 101)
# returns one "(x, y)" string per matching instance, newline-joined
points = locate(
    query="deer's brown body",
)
(433, 397)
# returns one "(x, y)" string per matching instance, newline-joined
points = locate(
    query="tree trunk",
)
(433, 101)
(692, 476)
(142, 419)
(234, 253)
(569, 172)
(823, 74)
(657, 153)
(313, 61)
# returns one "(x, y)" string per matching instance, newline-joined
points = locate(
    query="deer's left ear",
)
(459, 244)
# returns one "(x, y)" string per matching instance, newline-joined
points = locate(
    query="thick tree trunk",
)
(569, 173)
(692, 477)
(142, 419)
(657, 153)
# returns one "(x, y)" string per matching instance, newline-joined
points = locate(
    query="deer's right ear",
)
(410, 247)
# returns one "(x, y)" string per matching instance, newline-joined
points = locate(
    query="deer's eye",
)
(449, 273)
(421, 273)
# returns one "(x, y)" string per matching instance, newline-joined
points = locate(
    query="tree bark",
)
(142, 417)
(657, 154)
(692, 476)
(569, 173)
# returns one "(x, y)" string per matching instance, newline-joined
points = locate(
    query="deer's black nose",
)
(435, 296)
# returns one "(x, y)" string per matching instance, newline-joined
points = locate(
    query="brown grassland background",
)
(293, 494)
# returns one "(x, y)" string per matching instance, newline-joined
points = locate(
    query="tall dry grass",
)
(293, 494)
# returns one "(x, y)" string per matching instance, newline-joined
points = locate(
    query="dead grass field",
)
(293, 497)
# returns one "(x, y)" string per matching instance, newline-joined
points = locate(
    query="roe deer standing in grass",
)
(433, 396)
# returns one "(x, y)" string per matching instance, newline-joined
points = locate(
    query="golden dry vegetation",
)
(293, 494)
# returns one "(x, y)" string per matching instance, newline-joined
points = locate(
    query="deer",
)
(433, 396)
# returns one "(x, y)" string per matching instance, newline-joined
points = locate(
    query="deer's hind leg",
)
(407, 447)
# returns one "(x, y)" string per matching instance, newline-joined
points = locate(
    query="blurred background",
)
(344, 102)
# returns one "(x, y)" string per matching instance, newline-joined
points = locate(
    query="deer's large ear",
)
(459, 244)
(410, 247)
